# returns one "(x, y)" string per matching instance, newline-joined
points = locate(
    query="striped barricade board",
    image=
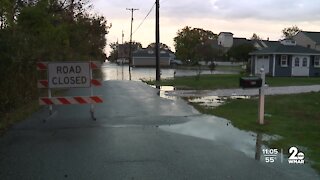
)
(69, 75)
(70, 100)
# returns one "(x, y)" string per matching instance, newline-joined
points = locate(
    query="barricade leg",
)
(50, 106)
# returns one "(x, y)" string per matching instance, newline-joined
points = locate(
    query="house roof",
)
(147, 52)
(283, 49)
(240, 41)
(265, 43)
(271, 43)
(262, 43)
(315, 36)
(229, 33)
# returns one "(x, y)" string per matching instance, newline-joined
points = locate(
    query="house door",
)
(300, 65)
(262, 63)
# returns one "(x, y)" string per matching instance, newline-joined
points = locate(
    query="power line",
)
(144, 18)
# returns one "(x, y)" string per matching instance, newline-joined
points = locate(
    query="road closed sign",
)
(69, 75)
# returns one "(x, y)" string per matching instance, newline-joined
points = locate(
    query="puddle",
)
(223, 133)
(214, 101)
(164, 92)
(207, 101)
(220, 131)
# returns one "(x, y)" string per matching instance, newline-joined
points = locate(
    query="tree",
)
(135, 45)
(289, 32)
(113, 56)
(241, 52)
(255, 37)
(115, 50)
(205, 52)
(161, 46)
(188, 40)
(43, 30)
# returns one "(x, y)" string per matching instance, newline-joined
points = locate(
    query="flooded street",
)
(212, 128)
(121, 72)
(221, 131)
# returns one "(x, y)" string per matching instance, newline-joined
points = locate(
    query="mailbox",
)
(250, 82)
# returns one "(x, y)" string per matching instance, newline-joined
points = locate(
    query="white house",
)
(308, 39)
(225, 39)
(146, 57)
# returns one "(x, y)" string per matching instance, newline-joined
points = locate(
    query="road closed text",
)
(69, 75)
(69, 80)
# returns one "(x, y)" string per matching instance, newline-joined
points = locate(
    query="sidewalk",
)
(245, 92)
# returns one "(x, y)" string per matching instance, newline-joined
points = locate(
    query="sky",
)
(266, 18)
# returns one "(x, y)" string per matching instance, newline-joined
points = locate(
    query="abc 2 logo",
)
(296, 156)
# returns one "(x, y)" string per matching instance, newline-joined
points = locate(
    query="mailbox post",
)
(261, 97)
(250, 82)
(256, 82)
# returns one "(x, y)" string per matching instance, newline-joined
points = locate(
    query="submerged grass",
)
(294, 117)
(215, 81)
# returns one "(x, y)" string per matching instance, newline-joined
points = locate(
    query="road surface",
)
(126, 142)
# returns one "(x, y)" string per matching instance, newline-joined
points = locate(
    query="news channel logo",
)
(273, 155)
(296, 156)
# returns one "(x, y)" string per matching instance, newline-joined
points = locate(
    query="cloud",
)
(273, 10)
(186, 8)
(242, 17)
(116, 9)
(284, 10)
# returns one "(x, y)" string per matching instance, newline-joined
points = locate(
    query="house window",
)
(284, 61)
(260, 57)
(305, 62)
(265, 57)
(296, 62)
(316, 61)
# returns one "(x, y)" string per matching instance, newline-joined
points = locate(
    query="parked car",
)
(176, 62)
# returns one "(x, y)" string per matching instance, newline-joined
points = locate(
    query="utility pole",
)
(122, 59)
(130, 48)
(157, 43)
(122, 37)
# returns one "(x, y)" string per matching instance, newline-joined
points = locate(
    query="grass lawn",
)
(17, 115)
(206, 82)
(294, 117)
(23, 111)
(229, 68)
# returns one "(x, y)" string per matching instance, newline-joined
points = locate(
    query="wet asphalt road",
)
(124, 143)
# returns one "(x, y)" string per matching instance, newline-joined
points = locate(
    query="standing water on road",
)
(112, 71)
(222, 133)
(217, 130)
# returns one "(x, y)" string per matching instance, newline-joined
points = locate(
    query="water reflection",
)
(206, 101)
(213, 101)
(258, 147)
(163, 92)
(222, 133)
(112, 71)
